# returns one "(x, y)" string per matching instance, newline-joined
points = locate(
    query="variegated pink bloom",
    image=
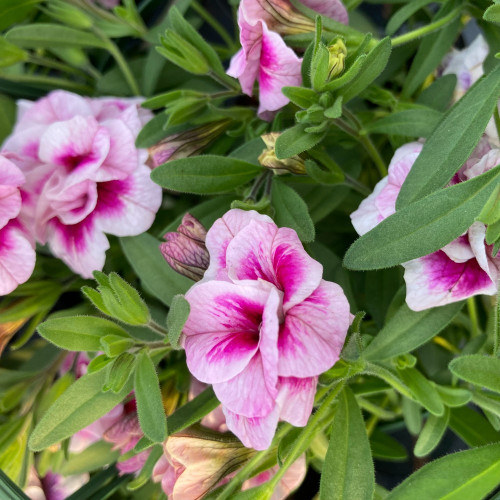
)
(263, 325)
(53, 486)
(17, 255)
(463, 268)
(264, 55)
(85, 178)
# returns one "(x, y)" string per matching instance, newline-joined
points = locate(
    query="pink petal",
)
(10, 198)
(314, 331)
(220, 235)
(261, 250)
(81, 246)
(436, 280)
(367, 216)
(128, 207)
(459, 250)
(331, 8)
(256, 432)
(222, 331)
(296, 399)
(17, 257)
(488, 161)
(477, 234)
(245, 69)
(279, 67)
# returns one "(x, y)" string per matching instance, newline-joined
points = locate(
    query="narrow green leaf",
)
(80, 405)
(439, 94)
(207, 174)
(79, 333)
(45, 35)
(9, 490)
(472, 427)
(453, 140)
(403, 14)
(454, 396)
(301, 96)
(192, 412)
(348, 469)
(291, 211)
(466, 474)
(423, 391)
(492, 14)
(296, 140)
(15, 11)
(423, 227)
(408, 329)
(483, 371)
(96, 456)
(149, 401)
(374, 64)
(176, 319)
(431, 434)
(157, 277)
(410, 122)
(385, 447)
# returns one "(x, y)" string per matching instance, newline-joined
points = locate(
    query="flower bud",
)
(336, 59)
(295, 164)
(70, 15)
(185, 144)
(183, 54)
(185, 250)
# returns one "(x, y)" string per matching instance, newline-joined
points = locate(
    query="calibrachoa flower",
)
(84, 176)
(53, 486)
(263, 325)
(264, 55)
(17, 256)
(463, 268)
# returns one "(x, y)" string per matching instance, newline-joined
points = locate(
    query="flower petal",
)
(314, 331)
(296, 399)
(331, 8)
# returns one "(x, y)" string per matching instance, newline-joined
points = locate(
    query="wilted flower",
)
(295, 164)
(185, 249)
(17, 256)
(84, 175)
(463, 268)
(185, 144)
(262, 325)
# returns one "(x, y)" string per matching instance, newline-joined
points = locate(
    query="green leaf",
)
(47, 36)
(350, 74)
(374, 64)
(96, 456)
(466, 474)
(15, 11)
(296, 140)
(149, 401)
(176, 319)
(80, 405)
(154, 131)
(439, 94)
(147, 470)
(157, 277)
(192, 412)
(385, 447)
(207, 174)
(423, 391)
(403, 14)
(453, 140)
(348, 469)
(472, 427)
(9, 490)
(7, 117)
(454, 396)
(132, 309)
(410, 122)
(483, 371)
(291, 211)
(301, 96)
(492, 14)
(432, 50)
(10, 54)
(79, 333)
(319, 67)
(423, 227)
(119, 372)
(408, 329)
(431, 434)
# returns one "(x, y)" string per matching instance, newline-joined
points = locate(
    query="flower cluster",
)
(263, 325)
(264, 56)
(80, 177)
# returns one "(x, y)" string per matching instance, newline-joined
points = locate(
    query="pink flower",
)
(463, 268)
(17, 256)
(264, 55)
(53, 486)
(85, 178)
(263, 325)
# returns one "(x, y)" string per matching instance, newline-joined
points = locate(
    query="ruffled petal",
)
(296, 399)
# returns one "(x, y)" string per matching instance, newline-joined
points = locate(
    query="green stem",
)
(225, 81)
(307, 434)
(50, 63)
(257, 186)
(356, 185)
(426, 30)
(471, 306)
(120, 60)
(48, 81)
(208, 18)
(153, 325)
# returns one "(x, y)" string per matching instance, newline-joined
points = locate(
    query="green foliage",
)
(177, 317)
(477, 369)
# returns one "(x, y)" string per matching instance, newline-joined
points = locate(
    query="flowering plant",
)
(249, 249)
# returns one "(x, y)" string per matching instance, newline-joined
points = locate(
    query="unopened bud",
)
(295, 164)
(70, 15)
(185, 249)
(336, 59)
(183, 54)
(185, 144)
